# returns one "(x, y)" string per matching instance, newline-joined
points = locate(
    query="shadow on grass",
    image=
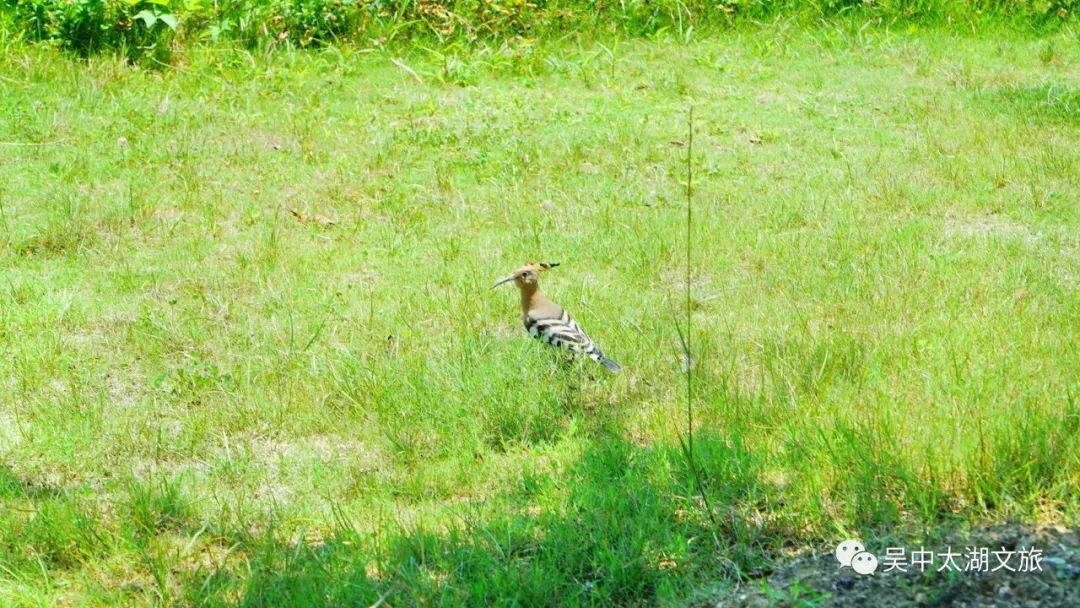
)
(13, 486)
(1051, 102)
(622, 526)
(57, 529)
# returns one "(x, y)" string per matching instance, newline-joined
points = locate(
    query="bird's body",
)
(547, 321)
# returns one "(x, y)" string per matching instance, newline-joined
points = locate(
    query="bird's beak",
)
(503, 280)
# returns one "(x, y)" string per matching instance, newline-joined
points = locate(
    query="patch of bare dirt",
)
(987, 226)
(817, 578)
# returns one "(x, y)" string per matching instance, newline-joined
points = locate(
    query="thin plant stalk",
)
(685, 337)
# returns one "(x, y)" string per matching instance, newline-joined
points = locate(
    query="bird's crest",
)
(542, 265)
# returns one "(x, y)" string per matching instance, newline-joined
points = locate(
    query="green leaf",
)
(147, 17)
(169, 20)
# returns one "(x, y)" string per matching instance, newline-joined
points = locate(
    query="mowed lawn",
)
(204, 400)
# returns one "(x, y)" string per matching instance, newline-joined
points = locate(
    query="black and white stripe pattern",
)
(564, 332)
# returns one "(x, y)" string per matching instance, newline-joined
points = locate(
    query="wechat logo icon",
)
(853, 554)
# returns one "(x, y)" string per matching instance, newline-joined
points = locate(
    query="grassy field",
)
(206, 401)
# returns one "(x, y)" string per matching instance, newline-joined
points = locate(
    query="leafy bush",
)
(89, 26)
(138, 26)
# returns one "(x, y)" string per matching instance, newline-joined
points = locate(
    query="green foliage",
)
(1038, 102)
(155, 506)
(136, 27)
(62, 531)
(140, 27)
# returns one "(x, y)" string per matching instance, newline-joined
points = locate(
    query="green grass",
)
(204, 401)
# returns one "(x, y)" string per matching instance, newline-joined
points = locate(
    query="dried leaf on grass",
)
(319, 219)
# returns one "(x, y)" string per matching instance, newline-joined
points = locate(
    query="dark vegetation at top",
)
(152, 28)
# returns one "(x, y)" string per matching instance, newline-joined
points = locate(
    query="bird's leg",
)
(564, 359)
(587, 370)
(582, 366)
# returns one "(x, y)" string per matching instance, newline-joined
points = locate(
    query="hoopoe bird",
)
(547, 321)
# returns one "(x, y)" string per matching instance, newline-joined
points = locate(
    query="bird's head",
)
(527, 275)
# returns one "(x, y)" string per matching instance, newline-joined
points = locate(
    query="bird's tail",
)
(611, 366)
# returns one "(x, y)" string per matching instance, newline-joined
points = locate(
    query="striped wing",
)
(562, 331)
